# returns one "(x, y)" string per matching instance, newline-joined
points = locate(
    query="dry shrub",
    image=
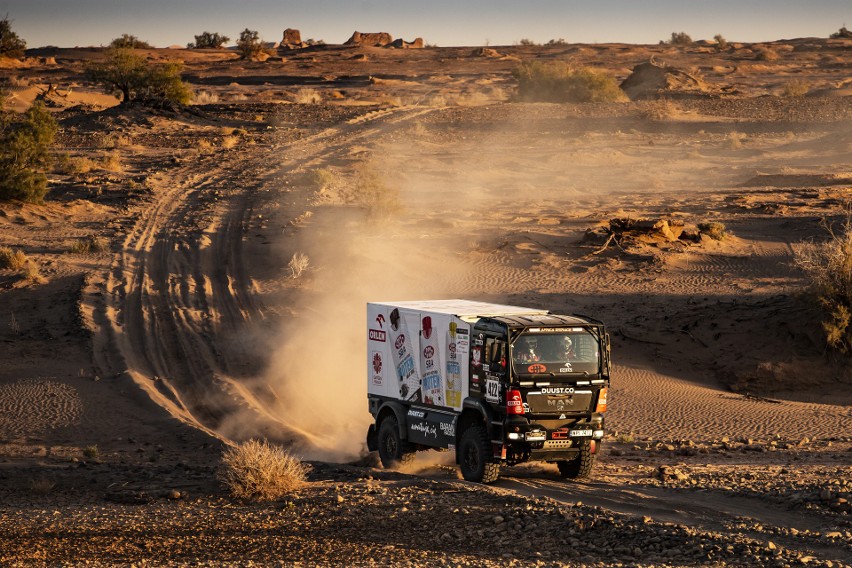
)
(262, 471)
(12, 259)
(205, 98)
(89, 245)
(41, 486)
(559, 82)
(662, 109)
(298, 264)
(323, 179)
(371, 191)
(305, 96)
(766, 54)
(829, 266)
(77, 165)
(229, 142)
(714, 229)
(796, 88)
(114, 140)
(33, 274)
(112, 162)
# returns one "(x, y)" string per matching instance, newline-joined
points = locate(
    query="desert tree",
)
(130, 42)
(842, 33)
(680, 38)
(249, 46)
(11, 45)
(207, 40)
(131, 76)
(721, 42)
(26, 143)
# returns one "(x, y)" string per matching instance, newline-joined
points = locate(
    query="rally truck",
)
(499, 385)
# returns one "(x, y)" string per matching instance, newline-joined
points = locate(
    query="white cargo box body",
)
(419, 351)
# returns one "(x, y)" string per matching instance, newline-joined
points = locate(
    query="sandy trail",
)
(179, 287)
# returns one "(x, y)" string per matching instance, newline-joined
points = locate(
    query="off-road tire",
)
(392, 449)
(581, 466)
(475, 456)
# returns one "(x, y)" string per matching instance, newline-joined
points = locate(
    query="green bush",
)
(127, 41)
(250, 46)
(208, 40)
(10, 44)
(132, 77)
(559, 82)
(26, 153)
(829, 266)
(842, 33)
(680, 38)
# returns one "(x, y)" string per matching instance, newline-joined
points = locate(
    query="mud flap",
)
(372, 438)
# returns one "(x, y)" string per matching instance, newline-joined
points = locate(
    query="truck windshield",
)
(576, 350)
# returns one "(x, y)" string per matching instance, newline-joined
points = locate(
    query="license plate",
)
(579, 433)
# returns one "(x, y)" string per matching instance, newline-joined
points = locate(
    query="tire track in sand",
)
(177, 282)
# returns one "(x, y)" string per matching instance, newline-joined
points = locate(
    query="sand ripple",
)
(33, 407)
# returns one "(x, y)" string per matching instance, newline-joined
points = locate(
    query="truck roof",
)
(464, 308)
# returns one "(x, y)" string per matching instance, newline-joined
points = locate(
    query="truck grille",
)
(577, 402)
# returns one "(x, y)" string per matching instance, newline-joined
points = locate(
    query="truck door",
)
(488, 372)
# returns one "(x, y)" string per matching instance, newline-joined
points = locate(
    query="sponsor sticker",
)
(537, 369)
(377, 335)
(557, 390)
(378, 368)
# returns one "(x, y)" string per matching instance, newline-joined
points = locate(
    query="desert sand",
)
(127, 368)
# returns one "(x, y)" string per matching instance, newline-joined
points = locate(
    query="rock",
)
(292, 40)
(652, 79)
(379, 39)
(174, 495)
(400, 43)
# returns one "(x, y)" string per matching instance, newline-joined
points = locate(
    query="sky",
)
(70, 23)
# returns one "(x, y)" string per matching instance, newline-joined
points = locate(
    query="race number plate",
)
(579, 433)
(492, 390)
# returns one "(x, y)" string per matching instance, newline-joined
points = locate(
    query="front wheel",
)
(475, 458)
(392, 449)
(581, 466)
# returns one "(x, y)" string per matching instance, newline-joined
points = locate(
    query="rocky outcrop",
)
(292, 40)
(402, 44)
(379, 39)
(654, 79)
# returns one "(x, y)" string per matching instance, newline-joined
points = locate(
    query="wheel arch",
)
(398, 411)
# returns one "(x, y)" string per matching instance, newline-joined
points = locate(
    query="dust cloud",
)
(318, 369)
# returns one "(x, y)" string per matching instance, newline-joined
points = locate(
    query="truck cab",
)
(498, 384)
(544, 379)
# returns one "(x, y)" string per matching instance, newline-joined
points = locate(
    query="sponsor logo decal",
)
(378, 335)
(400, 341)
(557, 390)
(537, 369)
(426, 429)
(380, 319)
(378, 364)
(416, 413)
(447, 429)
(429, 351)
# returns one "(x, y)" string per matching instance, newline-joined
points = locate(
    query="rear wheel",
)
(475, 456)
(581, 466)
(392, 449)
